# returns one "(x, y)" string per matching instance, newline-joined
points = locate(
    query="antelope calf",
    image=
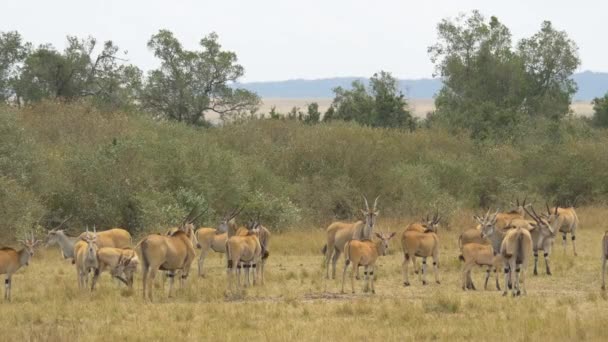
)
(475, 254)
(118, 262)
(604, 258)
(11, 260)
(364, 253)
(424, 225)
(515, 250)
(424, 245)
(338, 233)
(85, 253)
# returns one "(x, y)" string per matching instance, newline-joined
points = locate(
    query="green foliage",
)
(190, 84)
(382, 105)
(492, 89)
(77, 73)
(113, 169)
(600, 111)
(12, 52)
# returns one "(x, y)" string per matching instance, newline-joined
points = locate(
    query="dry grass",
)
(420, 107)
(297, 303)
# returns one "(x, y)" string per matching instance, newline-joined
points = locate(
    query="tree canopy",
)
(189, 84)
(490, 86)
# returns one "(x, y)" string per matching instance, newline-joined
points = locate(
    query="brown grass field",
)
(420, 107)
(297, 303)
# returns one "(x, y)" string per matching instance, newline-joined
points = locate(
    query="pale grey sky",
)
(283, 39)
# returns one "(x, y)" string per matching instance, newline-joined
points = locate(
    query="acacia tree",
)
(381, 104)
(190, 84)
(77, 72)
(600, 111)
(488, 86)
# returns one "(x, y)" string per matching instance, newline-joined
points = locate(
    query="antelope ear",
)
(377, 212)
(363, 212)
(391, 235)
(378, 235)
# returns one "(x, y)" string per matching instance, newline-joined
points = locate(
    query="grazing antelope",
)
(566, 221)
(167, 253)
(364, 253)
(213, 239)
(604, 258)
(244, 250)
(424, 245)
(475, 254)
(11, 260)
(85, 254)
(338, 233)
(117, 261)
(543, 235)
(115, 237)
(515, 250)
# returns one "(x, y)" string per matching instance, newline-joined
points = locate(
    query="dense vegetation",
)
(126, 169)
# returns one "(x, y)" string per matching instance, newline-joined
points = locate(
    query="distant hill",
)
(590, 84)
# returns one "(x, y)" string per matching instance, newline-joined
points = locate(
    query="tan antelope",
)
(566, 221)
(166, 253)
(515, 251)
(11, 260)
(213, 239)
(364, 253)
(118, 262)
(604, 258)
(475, 254)
(424, 225)
(85, 258)
(474, 235)
(543, 235)
(264, 237)
(424, 245)
(115, 237)
(338, 233)
(244, 250)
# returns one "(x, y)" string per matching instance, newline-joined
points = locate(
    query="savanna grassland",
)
(129, 170)
(297, 303)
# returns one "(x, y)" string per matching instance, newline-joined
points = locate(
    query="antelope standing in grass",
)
(515, 251)
(566, 221)
(11, 260)
(543, 235)
(338, 233)
(85, 254)
(364, 253)
(424, 245)
(475, 254)
(115, 237)
(425, 224)
(244, 250)
(604, 258)
(57, 236)
(214, 239)
(167, 253)
(118, 262)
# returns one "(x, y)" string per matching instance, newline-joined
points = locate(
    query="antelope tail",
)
(324, 249)
(519, 249)
(460, 257)
(347, 251)
(144, 257)
(460, 243)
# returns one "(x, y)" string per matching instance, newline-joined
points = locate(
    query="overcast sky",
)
(284, 39)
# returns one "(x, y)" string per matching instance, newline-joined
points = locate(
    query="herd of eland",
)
(500, 242)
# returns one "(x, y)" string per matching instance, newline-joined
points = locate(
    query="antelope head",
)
(431, 224)
(488, 224)
(225, 222)
(370, 215)
(543, 224)
(53, 234)
(29, 243)
(520, 207)
(384, 239)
